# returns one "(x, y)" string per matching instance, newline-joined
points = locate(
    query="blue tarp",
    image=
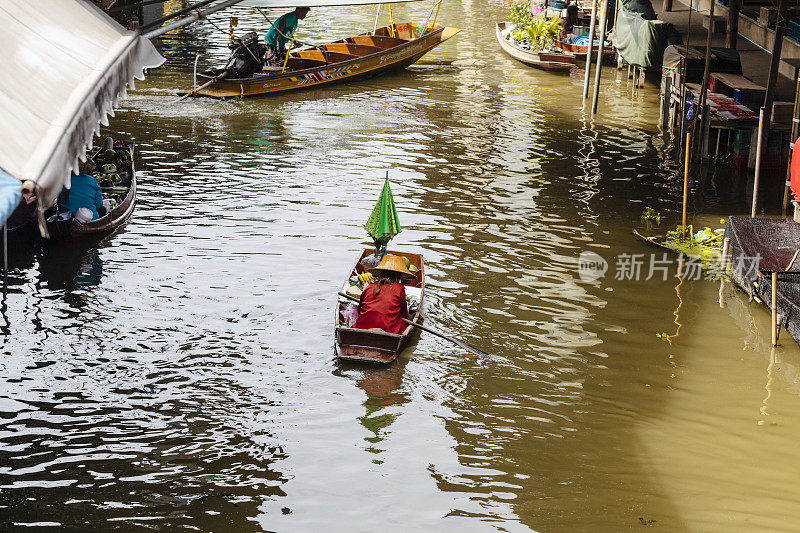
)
(10, 195)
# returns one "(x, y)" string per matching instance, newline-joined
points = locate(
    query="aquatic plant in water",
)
(704, 244)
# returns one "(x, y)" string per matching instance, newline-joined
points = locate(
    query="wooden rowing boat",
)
(377, 346)
(65, 230)
(390, 48)
(579, 52)
(553, 61)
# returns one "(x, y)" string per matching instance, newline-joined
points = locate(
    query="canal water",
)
(180, 374)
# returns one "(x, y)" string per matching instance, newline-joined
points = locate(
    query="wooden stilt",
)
(599, 68)
(686, 184)
(589, 51)
(759, 141)
(774, 309)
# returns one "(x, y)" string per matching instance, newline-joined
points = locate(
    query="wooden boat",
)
(579, 52)
(390, 48)
(377, 346)
(65, 230)
(544, 60)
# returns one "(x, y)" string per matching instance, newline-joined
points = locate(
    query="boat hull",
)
(580, 51)
(541, 60)
(69, 230)
(351, 59)
(376, 346)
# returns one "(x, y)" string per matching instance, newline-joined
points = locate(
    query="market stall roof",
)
(289, 4)
(65, 64)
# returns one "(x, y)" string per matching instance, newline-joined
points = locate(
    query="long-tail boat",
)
(554, 61)
(378, 346)
(387, 49)
(124, 194)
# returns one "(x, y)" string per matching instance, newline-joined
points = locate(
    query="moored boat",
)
(378, 346)
(579, 52)
(553, 61)
(390, 48)
(122, 197)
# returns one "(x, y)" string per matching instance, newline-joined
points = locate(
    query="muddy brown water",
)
(180, 374)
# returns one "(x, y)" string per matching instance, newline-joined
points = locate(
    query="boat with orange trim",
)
(387, 49)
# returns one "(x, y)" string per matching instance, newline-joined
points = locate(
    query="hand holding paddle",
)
(433, 331)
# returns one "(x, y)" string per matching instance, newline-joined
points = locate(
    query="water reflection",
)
(180, 374)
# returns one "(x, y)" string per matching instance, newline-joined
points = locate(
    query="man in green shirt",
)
(281, 33)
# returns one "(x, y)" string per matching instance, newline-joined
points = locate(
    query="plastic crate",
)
(793, 31)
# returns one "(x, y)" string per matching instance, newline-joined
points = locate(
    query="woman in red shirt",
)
(383, 303)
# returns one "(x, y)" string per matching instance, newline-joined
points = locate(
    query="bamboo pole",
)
(391, 21)
(723, 269)
(685, 184)
(791, 263)
(599, 69)
(774, 308)
(589, 51)
(792, 139)
(285, 61)
(377, 14)
(758, 161)
(436, 16)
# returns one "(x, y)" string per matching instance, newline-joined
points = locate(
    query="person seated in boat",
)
(84, 193)
(281, 33)
(568, 23)
(383, 303)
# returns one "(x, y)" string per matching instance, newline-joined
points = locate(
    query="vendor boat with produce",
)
(389, 286)
(532, 39)
(380, 304)
(389, 48)
(114, 177)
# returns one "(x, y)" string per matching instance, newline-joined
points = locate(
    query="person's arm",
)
(361, 300)
(403, 302)
(98, 199)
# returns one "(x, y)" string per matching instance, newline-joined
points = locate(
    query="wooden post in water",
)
(792, 139)
(589, 52)
(685, 67)
(732, 31)
(759, 140)
(686, 183)
(599, 68)
(704, 86)
(769, 95)
(774, 308)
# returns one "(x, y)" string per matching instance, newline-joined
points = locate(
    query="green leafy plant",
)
(543, 31)
(520, 13)
(540, 32)
(651, 216)
(704, 244)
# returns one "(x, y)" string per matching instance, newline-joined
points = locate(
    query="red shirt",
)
(385, 310)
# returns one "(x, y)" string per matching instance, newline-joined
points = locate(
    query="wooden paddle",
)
(433, 331)
(194, 91)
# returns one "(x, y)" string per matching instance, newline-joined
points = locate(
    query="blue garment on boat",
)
(275, 39)
(84, 192)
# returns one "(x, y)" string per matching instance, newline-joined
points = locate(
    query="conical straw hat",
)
(393, 263)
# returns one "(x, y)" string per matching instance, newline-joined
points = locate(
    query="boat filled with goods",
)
(370, 345)
(514, 42)
(116, 176)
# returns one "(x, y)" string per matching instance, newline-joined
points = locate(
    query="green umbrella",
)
(383, 223)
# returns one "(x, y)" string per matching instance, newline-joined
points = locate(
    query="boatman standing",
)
(281, 33)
